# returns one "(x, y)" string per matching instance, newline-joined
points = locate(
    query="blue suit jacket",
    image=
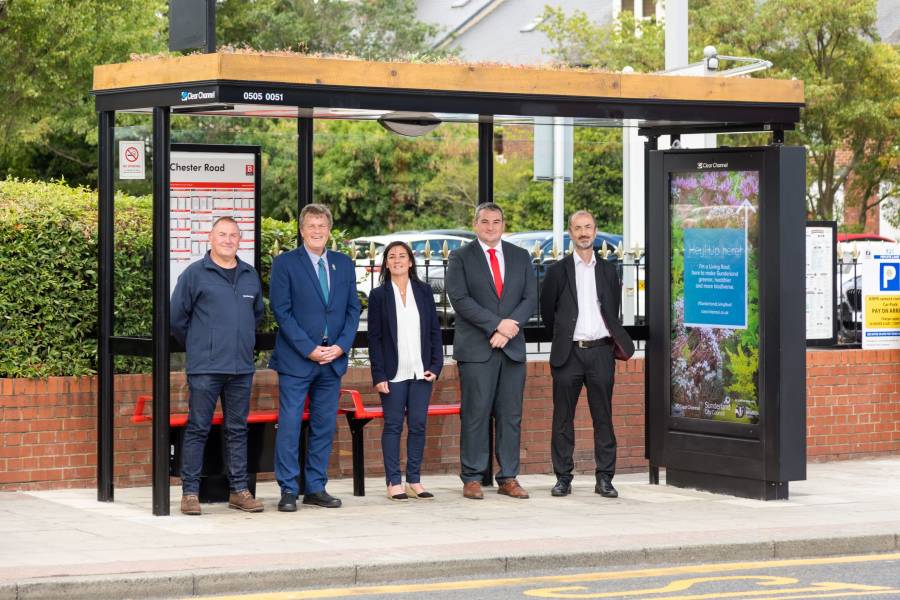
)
(383, 331)
(302, 312)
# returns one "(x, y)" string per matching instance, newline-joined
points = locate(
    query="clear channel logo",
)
(187, 95)
(711, 165)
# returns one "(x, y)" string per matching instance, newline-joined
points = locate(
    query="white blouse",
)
(409, 338)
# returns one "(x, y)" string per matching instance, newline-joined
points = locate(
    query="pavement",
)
(65, 544)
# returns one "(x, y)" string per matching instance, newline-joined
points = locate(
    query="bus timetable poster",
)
(203, 187)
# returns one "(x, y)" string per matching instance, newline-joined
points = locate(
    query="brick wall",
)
(48, 426)
(853, 404)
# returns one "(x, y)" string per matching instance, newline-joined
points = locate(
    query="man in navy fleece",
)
(216, 306)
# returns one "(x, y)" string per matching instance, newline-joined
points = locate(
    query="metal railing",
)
(432, 268)
(848, 300)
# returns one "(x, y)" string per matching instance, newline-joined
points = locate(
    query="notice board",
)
(821, 273)
(207, 182)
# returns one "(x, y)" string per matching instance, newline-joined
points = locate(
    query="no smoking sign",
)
(131, 160)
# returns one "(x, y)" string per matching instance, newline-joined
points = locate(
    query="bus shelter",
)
(306, 88)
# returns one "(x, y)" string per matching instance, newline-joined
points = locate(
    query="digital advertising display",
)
(715, 293)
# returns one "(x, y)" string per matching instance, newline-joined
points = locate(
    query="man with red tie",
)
(493, 291)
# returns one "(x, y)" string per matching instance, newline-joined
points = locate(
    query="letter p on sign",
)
(889, 279)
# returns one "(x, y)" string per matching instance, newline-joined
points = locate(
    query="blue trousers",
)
(205, 392)
(324, 388)
(407, 398)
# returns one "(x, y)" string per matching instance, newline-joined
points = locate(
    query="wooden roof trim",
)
(304, 70)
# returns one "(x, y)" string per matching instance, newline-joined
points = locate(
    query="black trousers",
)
(594, 368)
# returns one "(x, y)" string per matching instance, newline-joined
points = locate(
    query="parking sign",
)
(881, 302)
(889, 277)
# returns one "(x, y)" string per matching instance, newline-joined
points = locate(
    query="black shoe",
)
(288, 502)
(323, 499)
(605, 488)
(562, 488)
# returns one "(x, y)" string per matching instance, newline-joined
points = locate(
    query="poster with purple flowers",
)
(715, 295)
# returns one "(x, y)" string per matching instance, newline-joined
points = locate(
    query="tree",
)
(47, 119)
(625, 42)
(851, 79)
(372, 30)
(852, 90)
(48, 125)
(874, 142)
(370, 177)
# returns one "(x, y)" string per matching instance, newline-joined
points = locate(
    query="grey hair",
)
(226, 219)
(579, 213)
(489, 206)
(316, 209)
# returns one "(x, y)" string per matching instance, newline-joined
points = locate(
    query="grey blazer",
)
(470, 287)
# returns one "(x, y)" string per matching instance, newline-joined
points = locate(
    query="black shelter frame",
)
(657, 116)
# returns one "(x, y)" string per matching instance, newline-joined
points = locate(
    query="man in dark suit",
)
(313, 294)
(580, 305)
(493, 292)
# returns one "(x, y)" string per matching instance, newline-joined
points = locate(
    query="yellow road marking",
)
(834, 595)
(679, 585)
(478, 584)
(684, 584)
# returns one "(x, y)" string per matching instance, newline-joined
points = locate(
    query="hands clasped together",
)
(506, 330)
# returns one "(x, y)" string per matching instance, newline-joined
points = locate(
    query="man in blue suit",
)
(313, 294)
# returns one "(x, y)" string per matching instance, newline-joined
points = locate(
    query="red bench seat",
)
(357, 417)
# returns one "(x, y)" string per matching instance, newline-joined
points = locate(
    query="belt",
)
(593, 343)
(325, 341)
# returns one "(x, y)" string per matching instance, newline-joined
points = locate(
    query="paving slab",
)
(64, 543)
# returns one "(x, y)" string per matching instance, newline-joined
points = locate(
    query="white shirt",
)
(590, 324)
(487, 257)
(409, 338)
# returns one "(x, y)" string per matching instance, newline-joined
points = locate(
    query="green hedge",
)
(48, 276)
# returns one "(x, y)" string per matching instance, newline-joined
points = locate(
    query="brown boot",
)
(472, 491)
(244, 500)
(190, 504)
(511, 488)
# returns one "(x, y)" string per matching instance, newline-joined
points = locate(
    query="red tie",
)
(495, 269)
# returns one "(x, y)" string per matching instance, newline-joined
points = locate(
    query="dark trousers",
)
(406, 398)
(594, 368)
(205, 392)
(324, 388)
(491, 387)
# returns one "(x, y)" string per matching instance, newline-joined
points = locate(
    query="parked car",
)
(850, 308)
(527, 239)
(464, 233)
(367, 273)
(866, 246)
(849, 276)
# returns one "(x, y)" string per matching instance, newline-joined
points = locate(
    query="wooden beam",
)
(473, 78)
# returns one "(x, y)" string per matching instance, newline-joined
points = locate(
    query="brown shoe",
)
(511, 488)
(190, 505)
(244, 500)
(472, 491)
